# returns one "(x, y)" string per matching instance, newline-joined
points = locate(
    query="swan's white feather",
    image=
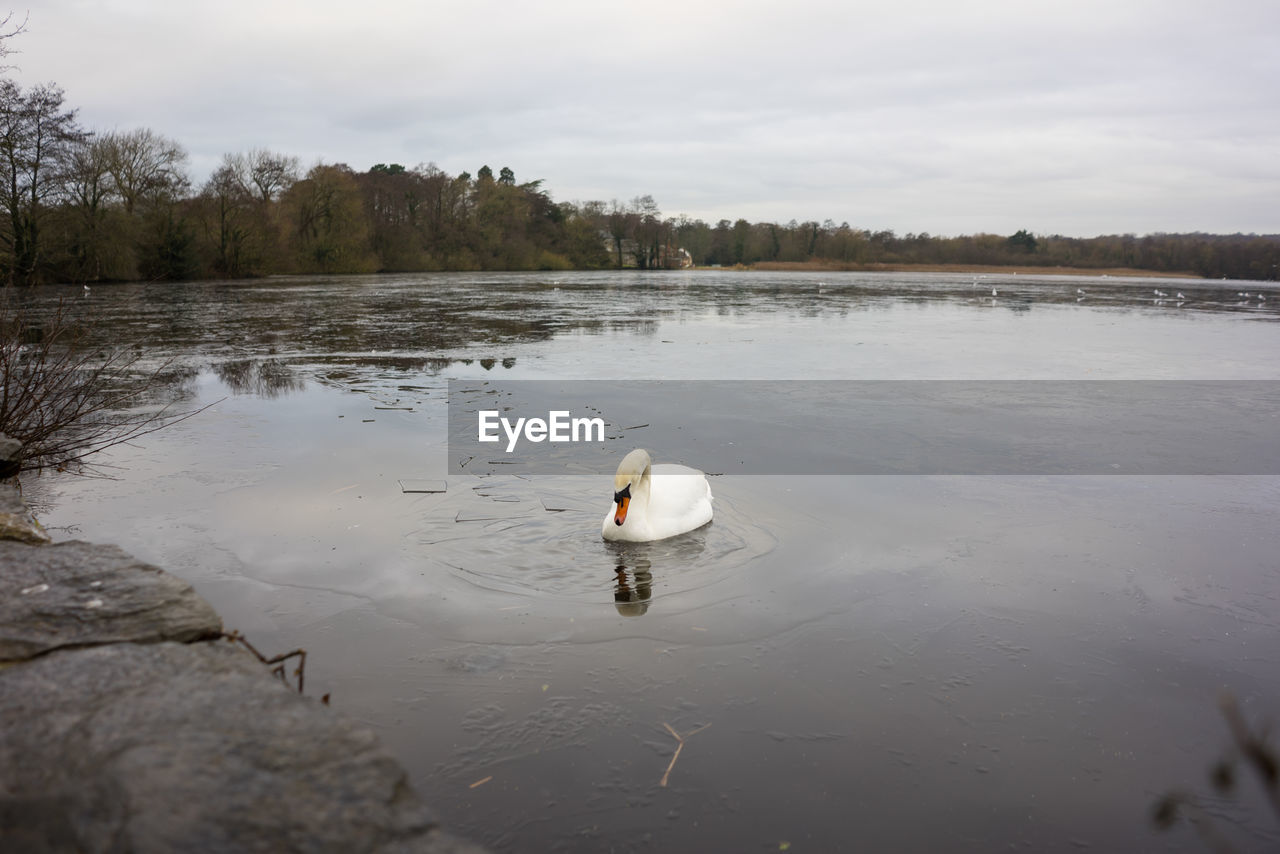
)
(666, 500)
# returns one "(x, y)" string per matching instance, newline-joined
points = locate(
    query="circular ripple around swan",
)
(543, 540)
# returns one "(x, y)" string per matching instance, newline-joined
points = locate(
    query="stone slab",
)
(78, 594)
(192, 747)
(16, 521)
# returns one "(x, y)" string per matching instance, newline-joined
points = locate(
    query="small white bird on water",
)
(653, 502)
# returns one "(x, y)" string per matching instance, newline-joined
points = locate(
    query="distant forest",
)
(116, 206)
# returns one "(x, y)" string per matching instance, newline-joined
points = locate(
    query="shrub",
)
(66, 399)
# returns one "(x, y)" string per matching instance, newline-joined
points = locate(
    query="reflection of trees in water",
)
(394, 322)
(263, 377)
(432, 366)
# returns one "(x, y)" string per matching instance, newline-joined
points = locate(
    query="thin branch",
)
(680, 740)
(1255, 750)
(65, 398)
(1257, 754)
(279, 660)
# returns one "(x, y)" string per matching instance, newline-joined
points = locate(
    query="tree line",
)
(1235, 256)
(79, 206)
(85, 207)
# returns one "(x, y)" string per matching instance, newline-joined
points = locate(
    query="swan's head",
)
(627, 480)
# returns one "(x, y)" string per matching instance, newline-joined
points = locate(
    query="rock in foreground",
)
(16, 521)
(191, 747)
(77, 594)
(128, 724)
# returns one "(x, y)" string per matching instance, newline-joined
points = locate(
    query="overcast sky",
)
(954, 117)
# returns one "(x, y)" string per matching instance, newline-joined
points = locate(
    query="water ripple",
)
(542, 539)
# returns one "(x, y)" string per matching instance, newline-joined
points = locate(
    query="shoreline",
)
(126, 715)
(982, 269)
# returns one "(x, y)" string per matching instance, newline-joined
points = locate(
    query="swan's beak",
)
(621, 515)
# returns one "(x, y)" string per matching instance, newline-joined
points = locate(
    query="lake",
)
(964, 658)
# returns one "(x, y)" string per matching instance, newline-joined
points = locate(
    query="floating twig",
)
(480, 782)
(301, 654)
(680, 739)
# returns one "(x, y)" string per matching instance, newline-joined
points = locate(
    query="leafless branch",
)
(66, 398)
(278, 661)
(680, 740)
(1257, 754)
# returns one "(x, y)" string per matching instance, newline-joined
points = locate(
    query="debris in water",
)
(680, 739)
(429, 486)
(279, 670)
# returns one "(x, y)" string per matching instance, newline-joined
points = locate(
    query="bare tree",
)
(144, 166)
(37, 137)
(649, 232)
(230, 222)
(621, 222)
(9, 28)
(88, 188)
(271, 175)
(260, 174)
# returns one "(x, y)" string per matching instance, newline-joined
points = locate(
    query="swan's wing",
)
(680, 494)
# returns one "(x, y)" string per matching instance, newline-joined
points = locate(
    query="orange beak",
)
(621, 516)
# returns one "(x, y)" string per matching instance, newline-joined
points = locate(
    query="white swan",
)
(655, 502)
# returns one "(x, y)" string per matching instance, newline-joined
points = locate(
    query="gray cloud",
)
(1080, 118)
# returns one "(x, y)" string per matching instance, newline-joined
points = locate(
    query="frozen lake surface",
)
(867, 662)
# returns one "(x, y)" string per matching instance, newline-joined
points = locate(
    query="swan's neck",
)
(640, 495)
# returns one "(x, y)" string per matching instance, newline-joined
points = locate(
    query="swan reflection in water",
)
(632, 592)
(635, 565)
